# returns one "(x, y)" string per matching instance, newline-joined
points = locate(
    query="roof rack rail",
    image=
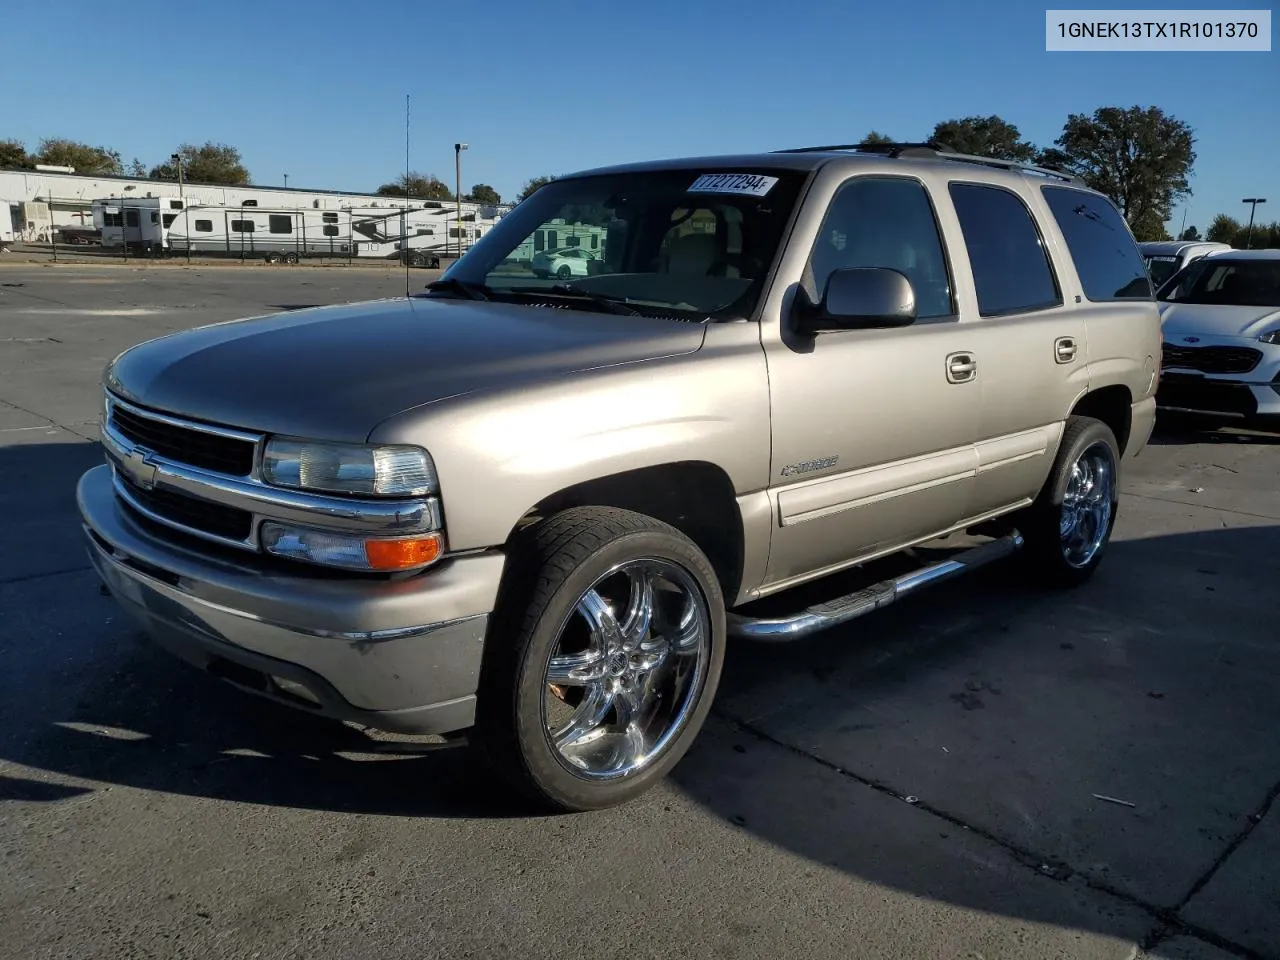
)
(941, 151)
(929, 149)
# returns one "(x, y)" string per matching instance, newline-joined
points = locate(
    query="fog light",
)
(351, 553)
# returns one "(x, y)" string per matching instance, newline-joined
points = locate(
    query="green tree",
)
(531, 185)
(1191, 233)
(1150, 226)
(1140, 157)
(211, 163)
(136, 168)
(13, 155)
(483, 193)
(58, 151)
(875, 137)
(985, 137)
(1224, 229)
(416, 186)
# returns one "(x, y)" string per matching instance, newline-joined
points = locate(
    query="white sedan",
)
(565, 263)
(1221, 323)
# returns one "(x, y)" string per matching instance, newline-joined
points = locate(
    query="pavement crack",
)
(1207, 506)
(1250, 824)
(1168, 922)
(27, 578)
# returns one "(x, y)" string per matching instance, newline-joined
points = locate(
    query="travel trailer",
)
(260, 233)
(139, 224)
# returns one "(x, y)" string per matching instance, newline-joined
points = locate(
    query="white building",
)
(68, 197)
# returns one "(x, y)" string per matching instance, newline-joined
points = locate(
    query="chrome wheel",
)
(1088, 504)
(627, 668)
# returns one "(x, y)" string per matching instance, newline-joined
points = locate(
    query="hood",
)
(337, 372)
(1217, 320)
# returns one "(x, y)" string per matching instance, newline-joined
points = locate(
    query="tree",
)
(873, 138)
(531, 185)
(483, 193)
(13, 155)
(211, 163)
(136, 168)
(417, 186)
(1150, 226)
(1191, 233)
(1225, 229)
(1139, 157)
(58, 151)
(985, 137)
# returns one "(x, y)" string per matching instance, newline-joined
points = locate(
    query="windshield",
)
(1246, 283)
(1161, 268)
(693, 244)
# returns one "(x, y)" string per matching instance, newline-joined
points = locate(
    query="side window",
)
(242, 226)
(155, 216)
(175, 204)
(169, 218)
(330, 230)
(131, 218)
(280, 223)
(329, 217)
(885, 222)
(1104, 251)
(1011, 270)
(204, 226)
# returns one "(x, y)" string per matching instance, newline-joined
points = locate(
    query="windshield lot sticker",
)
(749, 184)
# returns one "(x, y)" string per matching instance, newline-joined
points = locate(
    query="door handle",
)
(1064, 349)
(961, 367)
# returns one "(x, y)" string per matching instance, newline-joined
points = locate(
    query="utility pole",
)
(457, 189)
(1254, 201)
(177, 159)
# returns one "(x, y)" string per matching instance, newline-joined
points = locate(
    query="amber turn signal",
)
(403, 554)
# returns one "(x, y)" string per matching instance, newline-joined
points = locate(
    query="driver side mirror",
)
(859, 298)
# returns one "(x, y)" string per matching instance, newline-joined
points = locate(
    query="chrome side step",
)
(824, 616)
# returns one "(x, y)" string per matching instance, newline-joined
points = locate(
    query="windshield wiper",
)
(473, 291)
(608, 304)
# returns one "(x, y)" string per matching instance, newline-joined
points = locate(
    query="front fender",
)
(501, 451)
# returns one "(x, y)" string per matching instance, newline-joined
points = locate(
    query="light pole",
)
(177, 159)
(457, 189)
(286, 181)
(1254, 201)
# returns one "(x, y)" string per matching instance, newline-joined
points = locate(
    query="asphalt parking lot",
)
(922, 783)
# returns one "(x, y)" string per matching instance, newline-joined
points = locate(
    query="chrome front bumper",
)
(394, 655)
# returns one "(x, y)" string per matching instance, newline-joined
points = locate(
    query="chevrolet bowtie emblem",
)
(144, 469)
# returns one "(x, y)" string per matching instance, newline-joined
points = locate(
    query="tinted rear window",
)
(1104, 251)
(1011, 271)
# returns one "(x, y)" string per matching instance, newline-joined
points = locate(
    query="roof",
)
(1270, 253)
(805, 159)
(1171, 247)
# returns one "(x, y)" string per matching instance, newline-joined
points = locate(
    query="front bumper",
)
(1237, 396)
(399, 655)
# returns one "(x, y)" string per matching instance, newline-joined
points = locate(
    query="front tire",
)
(602, 660)
(1068, 528)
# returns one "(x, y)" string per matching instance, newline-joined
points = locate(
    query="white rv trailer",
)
(140, 224)
(560, 235)
(7, 211)
(272, 234)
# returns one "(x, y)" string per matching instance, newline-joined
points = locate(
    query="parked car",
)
(565, 263)
(534, 516)
(1221, 324)
(1166, 257)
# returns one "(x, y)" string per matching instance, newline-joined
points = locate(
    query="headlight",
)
(375, 471)
(351, 552)
(1272, 337)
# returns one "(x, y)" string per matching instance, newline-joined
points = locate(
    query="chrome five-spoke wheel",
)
(626, 668)
(1087, 505)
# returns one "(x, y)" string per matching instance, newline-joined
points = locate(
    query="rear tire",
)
(291, 258)
(574, 634)
(1068, 528)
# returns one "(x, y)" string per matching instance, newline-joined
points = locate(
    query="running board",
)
(824, 616)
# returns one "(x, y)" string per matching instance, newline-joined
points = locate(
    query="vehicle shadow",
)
(1154, 683)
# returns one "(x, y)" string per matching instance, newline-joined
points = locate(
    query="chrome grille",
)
(191, 513)
(184, 444)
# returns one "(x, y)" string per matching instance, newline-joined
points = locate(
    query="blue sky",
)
(316, 90)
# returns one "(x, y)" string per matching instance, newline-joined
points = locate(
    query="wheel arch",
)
(1113, 405)
(696, 497)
